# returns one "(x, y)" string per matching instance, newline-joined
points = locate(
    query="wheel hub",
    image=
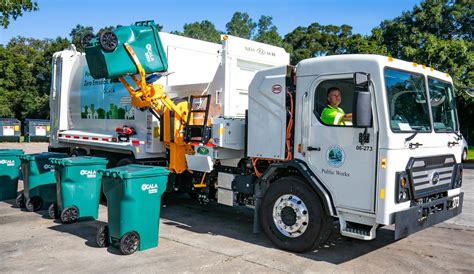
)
(290, 215)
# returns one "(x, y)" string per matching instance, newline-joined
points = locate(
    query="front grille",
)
(430, 175)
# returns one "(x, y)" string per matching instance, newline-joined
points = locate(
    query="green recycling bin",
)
(133, 195)
(107, 57)
(77, 187)
(39, 181)
(9, 173)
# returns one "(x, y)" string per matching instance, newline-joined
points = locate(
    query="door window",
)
(333, 102)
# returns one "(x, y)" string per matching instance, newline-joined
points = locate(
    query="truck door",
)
(334, 152)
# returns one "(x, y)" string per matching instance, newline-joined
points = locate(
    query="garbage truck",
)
(395, 162)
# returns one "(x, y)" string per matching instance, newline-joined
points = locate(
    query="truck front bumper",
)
(419, 217)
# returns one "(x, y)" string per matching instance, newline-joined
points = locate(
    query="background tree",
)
(241, 25)
(204, 30)
(267, 32)
(12, 9)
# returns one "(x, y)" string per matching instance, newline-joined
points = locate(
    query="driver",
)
(333, 114)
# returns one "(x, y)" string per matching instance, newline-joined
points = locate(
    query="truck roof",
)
(345, 61)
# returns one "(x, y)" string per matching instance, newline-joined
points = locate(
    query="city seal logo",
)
(335, 156)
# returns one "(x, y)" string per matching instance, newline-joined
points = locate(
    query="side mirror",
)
(361, 80)
(362, 109)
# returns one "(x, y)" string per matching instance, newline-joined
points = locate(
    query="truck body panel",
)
(86, 112)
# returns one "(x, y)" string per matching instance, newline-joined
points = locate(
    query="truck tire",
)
(77, 152)
(125, 161)
(292, 216)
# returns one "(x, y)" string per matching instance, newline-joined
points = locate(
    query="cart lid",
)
(79, 161)
(11, 152)
(135, 171)
(44, 155)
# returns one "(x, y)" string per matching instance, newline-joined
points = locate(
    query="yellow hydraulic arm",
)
(153, 96)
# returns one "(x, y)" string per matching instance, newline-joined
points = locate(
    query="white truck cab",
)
(397, 163)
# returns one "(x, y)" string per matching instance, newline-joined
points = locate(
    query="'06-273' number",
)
(364, 148)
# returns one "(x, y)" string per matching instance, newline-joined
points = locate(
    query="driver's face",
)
(334, 98)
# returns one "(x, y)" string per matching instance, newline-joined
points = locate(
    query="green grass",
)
(470, 153)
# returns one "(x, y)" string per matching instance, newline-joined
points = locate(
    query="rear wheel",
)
(292, 216)
(69, 215)
(108, 40)
(125, 161)
(102, 237)
(129, 243)
(53, 211)
(20, 201)
(85, 39)
(33, 204)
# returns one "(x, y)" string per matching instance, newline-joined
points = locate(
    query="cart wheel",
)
(20, 201)
(102, 237)
(69, 215)
(53, 211)
(108, 40)
(33, 204)
(129, 243)
(86, 38)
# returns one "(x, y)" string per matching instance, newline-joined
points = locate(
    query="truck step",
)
(358, 231)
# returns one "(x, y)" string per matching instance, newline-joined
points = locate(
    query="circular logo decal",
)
(277, 89)
(335, 156)
(203, 150)
(435, 178)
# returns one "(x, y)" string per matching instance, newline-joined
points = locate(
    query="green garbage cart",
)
(107, 57)
(9, 173)
(133, 195)
(38, 180)
(78, 188)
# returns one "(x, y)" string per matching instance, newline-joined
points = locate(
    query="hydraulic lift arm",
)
(174, 117)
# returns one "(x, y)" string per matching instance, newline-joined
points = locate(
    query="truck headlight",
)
(403, 187)
(457, 178)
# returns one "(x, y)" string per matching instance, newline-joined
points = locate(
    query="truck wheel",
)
(129, 243)
(33, 204)
(20, 201)
(77, 152)
(69, 215)
(108, 40)
(292, 216)
(53, 211)
(102, 237)
(125, 161)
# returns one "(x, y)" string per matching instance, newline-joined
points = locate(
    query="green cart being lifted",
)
(38, 180)
(133, 195)
(78, 188)
(108, 58)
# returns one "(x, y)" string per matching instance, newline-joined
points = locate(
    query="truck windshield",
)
(443, 105)
(406, 93)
